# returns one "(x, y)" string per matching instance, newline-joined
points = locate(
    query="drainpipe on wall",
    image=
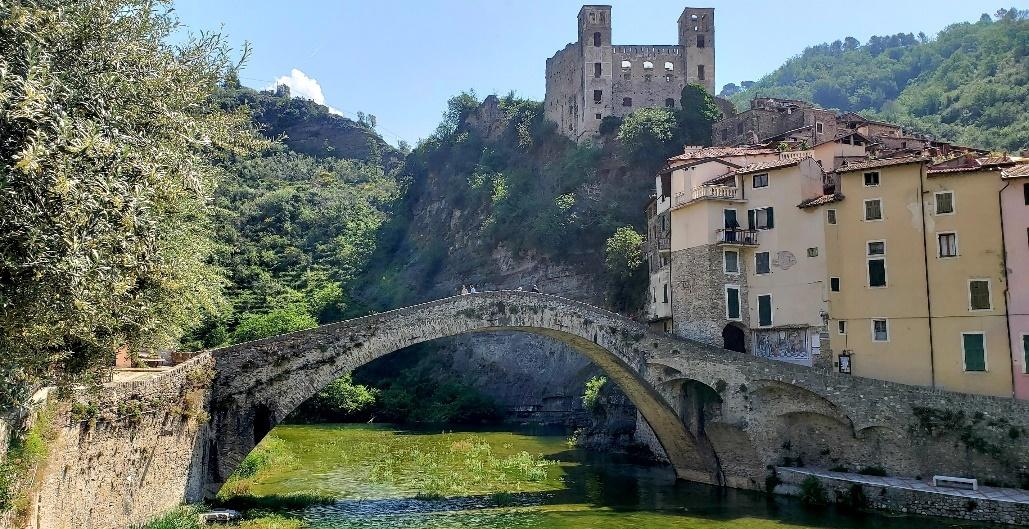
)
(922, 175)
(1007, 283)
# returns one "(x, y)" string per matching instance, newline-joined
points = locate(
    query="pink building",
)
(1014, 199)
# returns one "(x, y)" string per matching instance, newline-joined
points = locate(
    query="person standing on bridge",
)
(536, 289)
(473, 291)
(464, 290)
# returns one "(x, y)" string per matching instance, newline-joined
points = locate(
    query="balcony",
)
(737, 237)
(712, 192)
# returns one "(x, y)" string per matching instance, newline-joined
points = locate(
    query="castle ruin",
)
(592, 78)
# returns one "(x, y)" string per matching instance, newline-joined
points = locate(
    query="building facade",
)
(591, 79)
(1014, 200)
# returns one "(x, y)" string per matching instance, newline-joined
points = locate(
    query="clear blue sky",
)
(402, 60)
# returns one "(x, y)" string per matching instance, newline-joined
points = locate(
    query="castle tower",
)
(697, 38)
(595, 46)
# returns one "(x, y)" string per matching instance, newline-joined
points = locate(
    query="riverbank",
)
(380, 476)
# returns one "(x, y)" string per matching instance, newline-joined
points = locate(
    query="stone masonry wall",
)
(698, 294)
(141, 453)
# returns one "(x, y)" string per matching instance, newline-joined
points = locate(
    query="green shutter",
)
(750, 219)
(733, 302)
(764, 310)
(771, 218)
(876, 273)
(975, 353)
(1025, 353)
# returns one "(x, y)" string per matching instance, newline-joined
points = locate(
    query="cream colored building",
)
(916, 276)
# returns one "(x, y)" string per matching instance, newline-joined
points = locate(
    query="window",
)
(700, 72)
(812, 252)
(973, 348)
(872, 179)
(732, 302)
(764, 310)
(760, 219)
(876, 264)
(818, 127)
(944, 203)
(626, 101)
(669, 66)
(979, 294)
(948, 244)
(834, 284)
(731, 262)
(666, 293)
(761, 180)
(669, 77)
(761, 263)
(596, 39)
(598, 116)
(648, 78)
(1025, 191)
(700, 41)
(626, 76)
(647, 65)
(880, 331)
(874, 209)
(1025, 353)
(841, 327)
(597, 69)
(830, 216)
(670, 103)
(598, 96)
(626, 65)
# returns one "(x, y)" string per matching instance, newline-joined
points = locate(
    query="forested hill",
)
(969, 84)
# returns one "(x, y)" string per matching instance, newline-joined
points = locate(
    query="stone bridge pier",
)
(720, 417)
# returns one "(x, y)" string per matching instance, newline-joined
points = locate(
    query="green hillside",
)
(970, 84)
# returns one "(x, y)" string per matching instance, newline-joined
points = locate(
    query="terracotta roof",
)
(966, 164)
(844, 135)
(721, 152)
(1017, 171)
(765, 166)
(874, 164)
(819, 201)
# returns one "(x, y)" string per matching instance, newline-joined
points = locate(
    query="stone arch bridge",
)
(718, 416)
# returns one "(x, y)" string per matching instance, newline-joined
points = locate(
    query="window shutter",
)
(876, 273)
(750, 219)
(733, 303)
(1025, 353)
(975, 354)
(764, 310)
(771, 220)
(980, 294)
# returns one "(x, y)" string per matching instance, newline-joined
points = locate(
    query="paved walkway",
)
(984, 493)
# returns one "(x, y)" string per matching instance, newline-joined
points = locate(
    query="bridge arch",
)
(259, 383)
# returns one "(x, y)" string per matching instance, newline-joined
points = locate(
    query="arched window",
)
(596, 39)
(647, 65)
(626, 65)
(670, 103)
(669, 66)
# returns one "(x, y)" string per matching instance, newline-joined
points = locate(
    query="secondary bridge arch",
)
(259, 383)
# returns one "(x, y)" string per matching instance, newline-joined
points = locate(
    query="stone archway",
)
(259, 383)
(733, 338)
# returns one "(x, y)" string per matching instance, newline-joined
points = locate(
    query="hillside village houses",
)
(891, 268)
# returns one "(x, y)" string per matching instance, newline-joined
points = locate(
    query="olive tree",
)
(109, 145)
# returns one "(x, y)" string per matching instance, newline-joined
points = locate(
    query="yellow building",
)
(916, 276)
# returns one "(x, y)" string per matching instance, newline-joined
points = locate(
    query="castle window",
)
(648, 78)
(700, 72)
(669, 77)
(647, 65)
(693, 18)
(593, 17)
(700, 41)
(626, 65)
(598, 96)
(597, 69)
(596, 39)
(626, 101)
(669, 66)
(670, 103)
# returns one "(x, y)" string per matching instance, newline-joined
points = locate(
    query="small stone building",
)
(591, 79)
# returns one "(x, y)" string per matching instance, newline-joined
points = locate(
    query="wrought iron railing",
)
(738, 236)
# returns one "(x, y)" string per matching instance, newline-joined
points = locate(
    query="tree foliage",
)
(649, 136)
(107, 137)
(970, 84)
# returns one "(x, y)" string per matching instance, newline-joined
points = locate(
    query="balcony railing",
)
(737, 237)
(705, 193)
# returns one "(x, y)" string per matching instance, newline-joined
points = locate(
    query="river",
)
(387, 477)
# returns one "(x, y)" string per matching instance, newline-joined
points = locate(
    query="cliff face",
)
(450, 232)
